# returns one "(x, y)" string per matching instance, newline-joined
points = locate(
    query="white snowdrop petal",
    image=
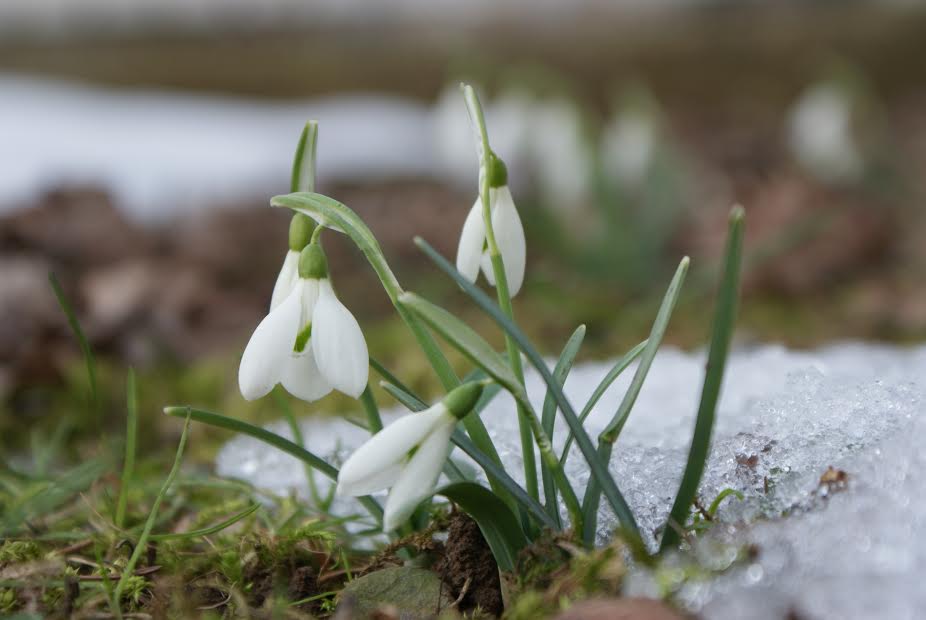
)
(377, 481)
(509, 234)
(269, 348)
(301, 378)
(390, 446)
(472, 240)
(286, 279)
(338, 343)
(417, 480)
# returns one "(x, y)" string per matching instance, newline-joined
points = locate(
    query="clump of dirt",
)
(469, 568)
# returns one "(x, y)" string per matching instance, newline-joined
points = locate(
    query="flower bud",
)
(461, 400)
(313, 265)
(301, 228)
(498, 171)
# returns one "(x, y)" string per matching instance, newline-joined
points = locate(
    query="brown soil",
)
(468, 567)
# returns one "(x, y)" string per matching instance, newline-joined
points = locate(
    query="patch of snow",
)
(784, 418)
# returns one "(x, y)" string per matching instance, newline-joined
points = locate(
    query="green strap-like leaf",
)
(497, 523)
(599, 391)
(598, 469)
(207, 531)
(548, 416)
(281, 443)
(721, 335)
(467, 341)
(609, 435)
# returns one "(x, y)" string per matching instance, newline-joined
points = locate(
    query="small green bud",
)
(461, 400)
(498, 171)
(313, 264)
(301, 228)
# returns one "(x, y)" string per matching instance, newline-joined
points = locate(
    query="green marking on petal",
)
(303, 338)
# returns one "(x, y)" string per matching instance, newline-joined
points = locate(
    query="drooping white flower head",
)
(309, 342)
(509, 235)
(408, 456)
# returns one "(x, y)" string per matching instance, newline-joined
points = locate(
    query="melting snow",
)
(784, 418)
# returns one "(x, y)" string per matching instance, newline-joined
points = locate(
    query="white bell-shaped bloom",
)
(408, 456)
(509, 235)
(310, 343)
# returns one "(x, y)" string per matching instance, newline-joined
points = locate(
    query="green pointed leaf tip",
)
(301, 228)
(721, 337)
(302, 178)
(461, 400)
(313, 264)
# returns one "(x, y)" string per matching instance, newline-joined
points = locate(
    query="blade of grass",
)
(721, 336)
(598, 469)
(81, 341)
(548, 416)
(374, 421)
(599, 391)
(131, 433)
(280, 443)
(294, 428)
(611, 432)
(207, 531)
(142, 542)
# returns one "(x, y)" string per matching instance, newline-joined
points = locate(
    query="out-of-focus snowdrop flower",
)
(820, 133)
(559, 152)
(509, 234)
(407, 456)
(309, 342)
(628, 146)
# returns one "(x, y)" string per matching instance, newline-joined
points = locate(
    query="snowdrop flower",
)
(820, 133)
(509, 234)
(628, 147)
(309, 342)
(408, 456)
(300, 233)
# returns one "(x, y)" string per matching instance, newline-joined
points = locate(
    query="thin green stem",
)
(131, 433)
(374, 421)
(300, 441)
(501, 283)
(142, 541)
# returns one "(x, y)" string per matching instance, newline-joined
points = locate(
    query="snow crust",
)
(793, 544)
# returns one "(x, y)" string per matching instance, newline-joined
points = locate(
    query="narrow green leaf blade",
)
(498, 524)
(598, 469)
(462, 336)
(281, 443)
(81, 340)
(548, 416)
(619, 367)
(207, 531)
(721, 336)
(609, 435)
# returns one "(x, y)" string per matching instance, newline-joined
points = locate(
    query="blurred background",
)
(140, 143)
